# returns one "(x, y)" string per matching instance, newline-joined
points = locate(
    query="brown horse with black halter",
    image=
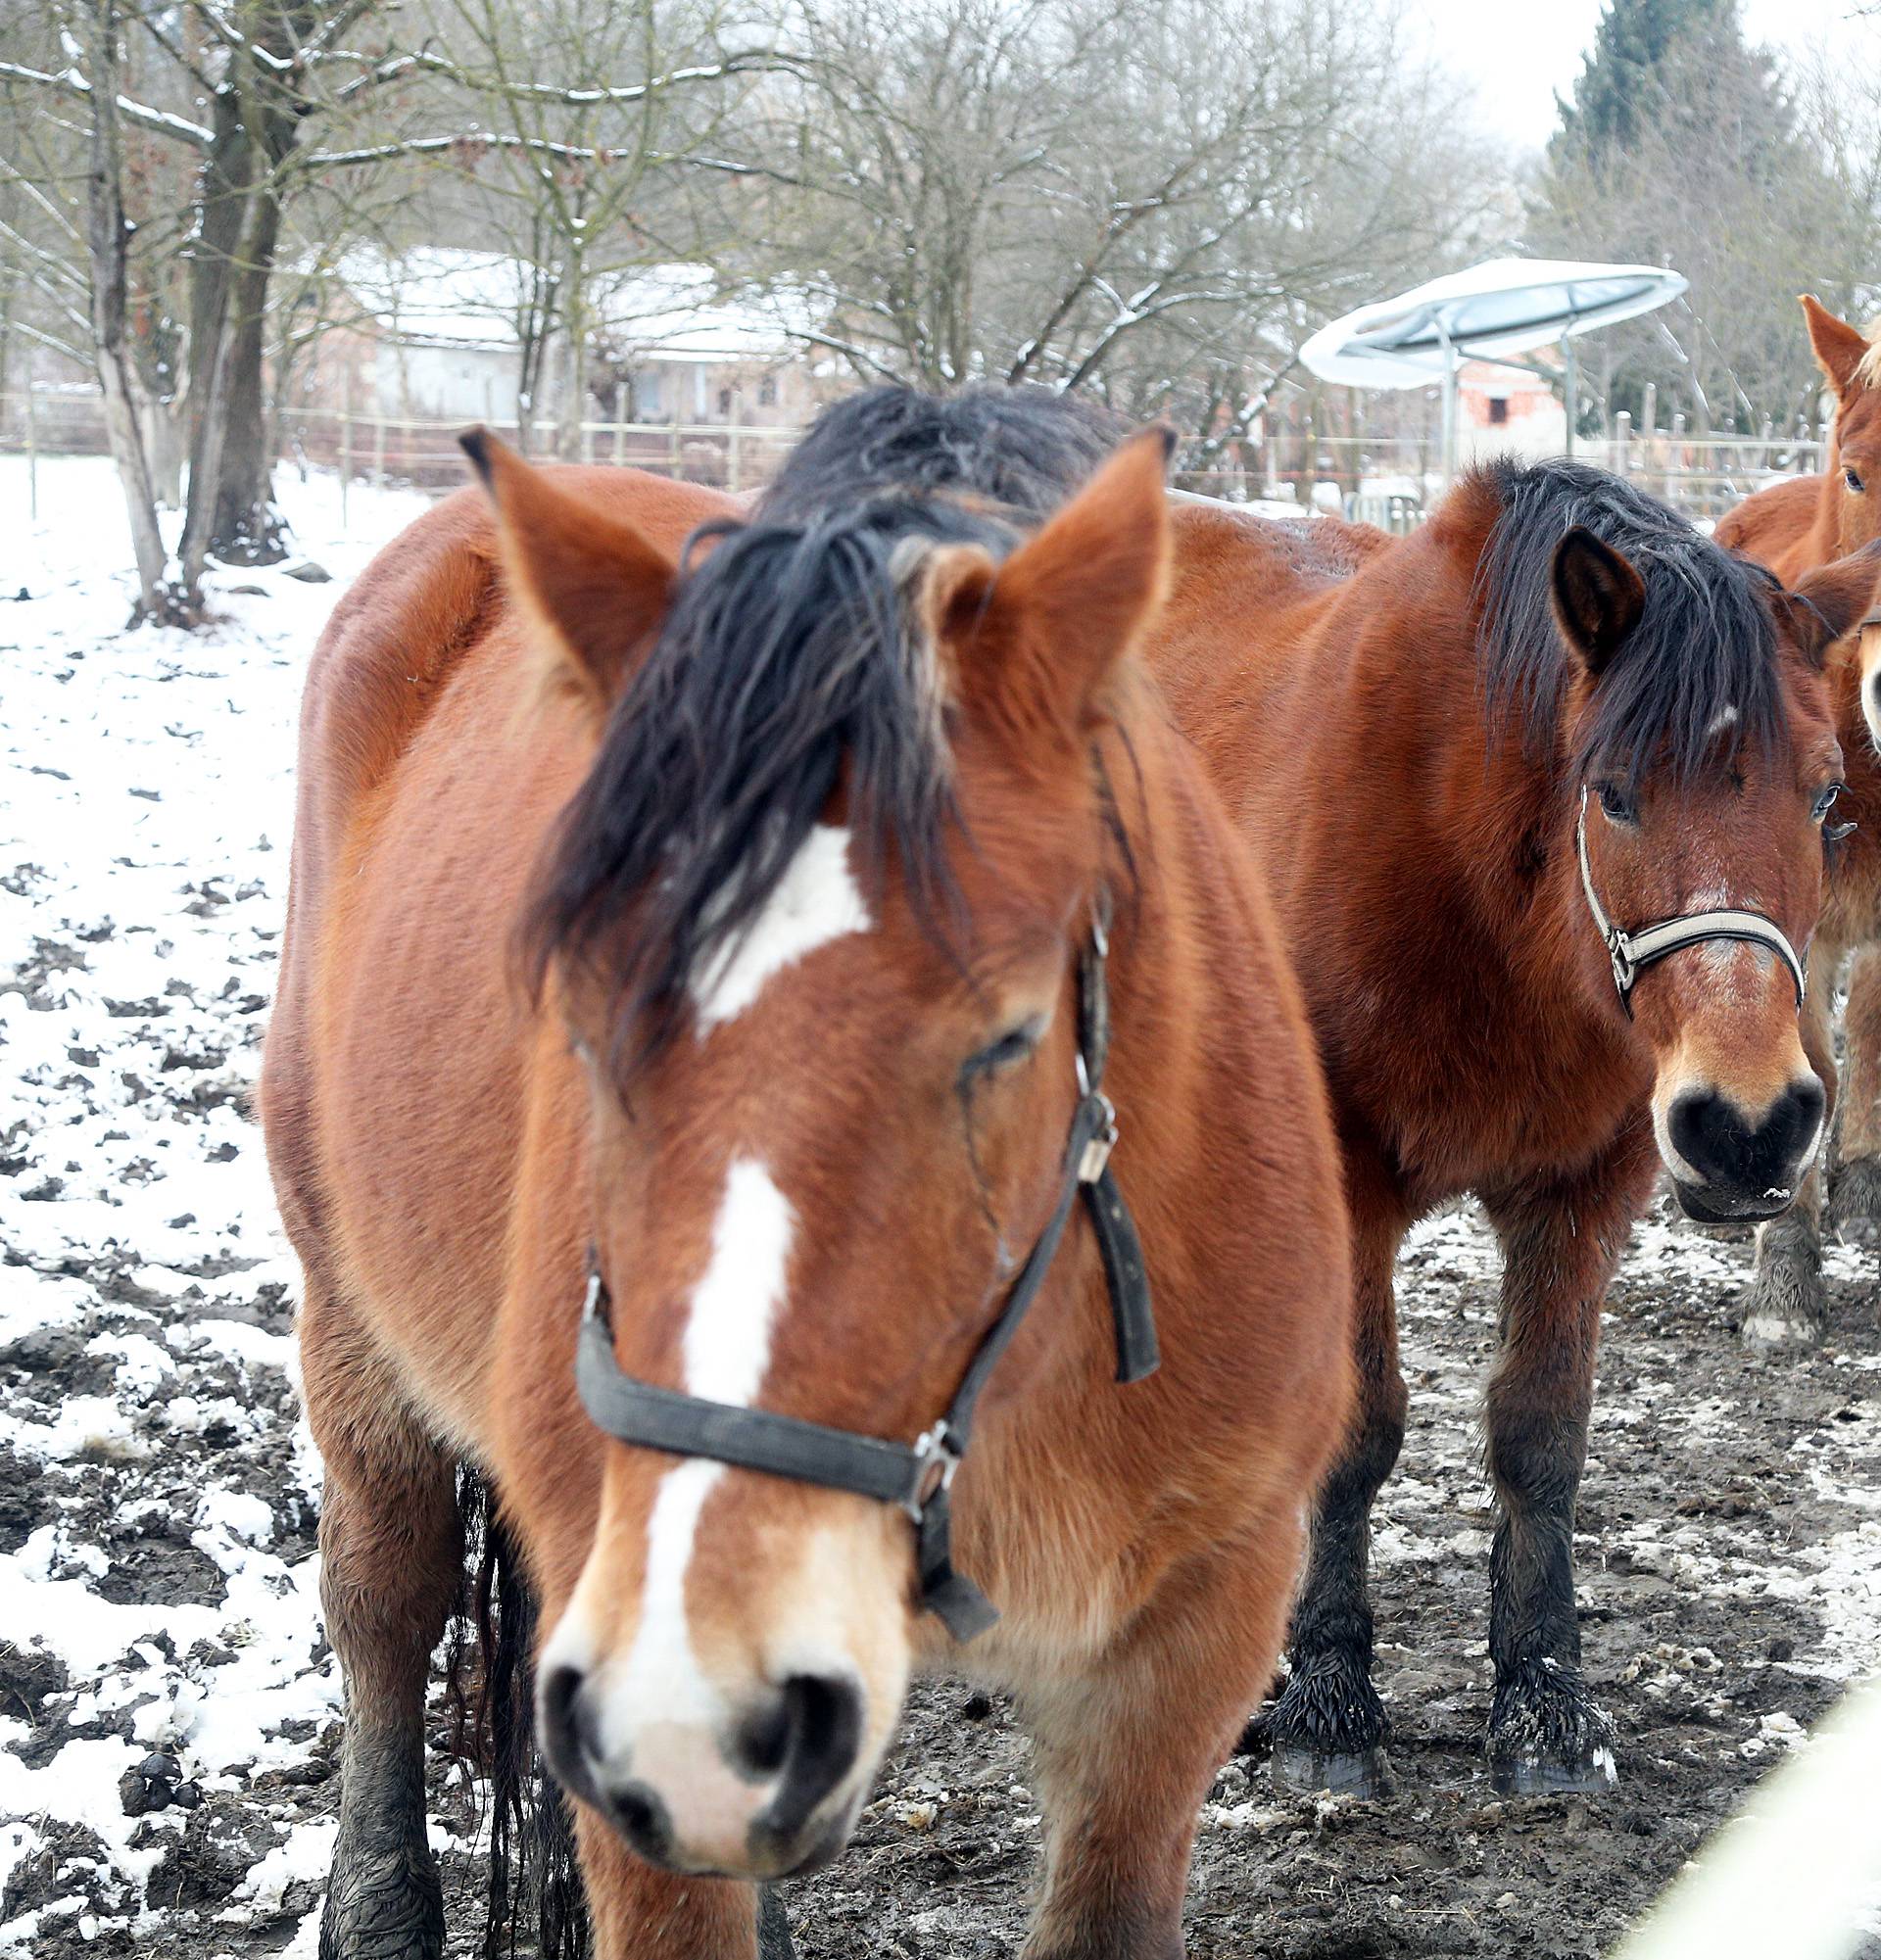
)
(1796, 527)
(862, 882)
(1541, 790)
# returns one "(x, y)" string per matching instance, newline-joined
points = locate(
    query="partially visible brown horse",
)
(1411, 733)
(1796, 527)
(809, 843)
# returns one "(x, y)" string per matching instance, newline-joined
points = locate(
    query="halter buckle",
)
(1096, 1153)
(592, 1302)
(1625, 971)
(936, 1457)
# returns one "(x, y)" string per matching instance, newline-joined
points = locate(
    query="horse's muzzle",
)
(762, 1801)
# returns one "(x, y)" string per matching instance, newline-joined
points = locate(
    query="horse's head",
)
(1707, 768)
(814, 922)
(1851, 361)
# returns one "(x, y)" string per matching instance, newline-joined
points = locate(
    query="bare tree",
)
(1148, 198)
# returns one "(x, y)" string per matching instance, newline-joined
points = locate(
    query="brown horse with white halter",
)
(1796, 527)
(1541, 790)
(858, 877)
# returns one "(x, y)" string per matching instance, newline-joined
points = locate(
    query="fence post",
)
(33, 449)
(345, 438)
(620, 421)
(378, 452)
(673, 446)
(1623, 443)
(732, 459)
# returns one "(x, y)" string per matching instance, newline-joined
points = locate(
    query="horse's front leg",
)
(1328, 1728)
(391, 1551)
(1559, 1246)
(1126, 1750)
(1855, 1208)
(1788, 1302)
(636, 1910)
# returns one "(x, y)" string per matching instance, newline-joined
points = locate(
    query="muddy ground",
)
(168, 1708)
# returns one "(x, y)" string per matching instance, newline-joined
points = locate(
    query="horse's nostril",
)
(640, 1818)
(1755, 1160)
(808, 1738)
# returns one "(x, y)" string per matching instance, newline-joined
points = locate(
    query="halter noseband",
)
(918, 1477)
(1632, 951)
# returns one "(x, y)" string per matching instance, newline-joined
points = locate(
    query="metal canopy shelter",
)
(1493, 312)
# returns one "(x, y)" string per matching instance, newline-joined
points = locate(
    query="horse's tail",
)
(491, 1674)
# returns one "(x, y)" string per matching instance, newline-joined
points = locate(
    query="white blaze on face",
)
(724, 1352)
(816, 900)
(725, 1349)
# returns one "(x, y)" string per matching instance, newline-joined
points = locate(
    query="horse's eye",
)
(1826, 799)
(1012, 1047)
(1853, 478)
(1617, 806)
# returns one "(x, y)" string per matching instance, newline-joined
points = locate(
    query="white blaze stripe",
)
(728, 1332)
(816, 900)
(725, 1352)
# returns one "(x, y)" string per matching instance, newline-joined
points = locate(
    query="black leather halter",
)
(919, 1477)
(1632, 951)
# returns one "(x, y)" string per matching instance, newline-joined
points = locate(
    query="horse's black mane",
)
(785, 655)
(1706, 642)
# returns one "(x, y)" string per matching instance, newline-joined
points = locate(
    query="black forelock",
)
(1705, 641)
(786, 661)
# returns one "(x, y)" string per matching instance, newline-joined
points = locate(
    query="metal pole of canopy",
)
(1569, 382)
(1449, 406)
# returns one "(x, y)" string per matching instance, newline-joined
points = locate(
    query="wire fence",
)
(1392, 481)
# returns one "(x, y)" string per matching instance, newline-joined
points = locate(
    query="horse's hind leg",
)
(1327, 1727)
(391, 1551)
(1855, 1210)
(1125, 1752)
(1788, 1302)
(1559, 1246)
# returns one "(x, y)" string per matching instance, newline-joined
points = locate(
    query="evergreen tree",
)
(1681, 148)
(1615, 94)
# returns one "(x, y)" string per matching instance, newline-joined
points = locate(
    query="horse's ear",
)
(1045, 630)
(1598, 597)
(594, 586)
(1840, 349)
(1834, 599)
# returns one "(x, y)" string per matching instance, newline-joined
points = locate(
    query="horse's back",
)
(1770, 525)
(414, 744)
(1247, 596)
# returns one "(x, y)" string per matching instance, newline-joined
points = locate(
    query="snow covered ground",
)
(167, 1707)
(157, 1492)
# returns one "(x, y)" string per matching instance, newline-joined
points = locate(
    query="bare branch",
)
(160, 122)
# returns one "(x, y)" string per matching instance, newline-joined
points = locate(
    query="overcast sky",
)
(1521, 54)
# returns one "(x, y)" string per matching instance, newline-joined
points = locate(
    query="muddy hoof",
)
(1545, 1779)
(1368, 1773)
(384, 1907)
(1787, 1302)
(1327, 1730)
(1547, 1735)
(1855, 1203)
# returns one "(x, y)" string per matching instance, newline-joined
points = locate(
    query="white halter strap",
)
(1632, 951)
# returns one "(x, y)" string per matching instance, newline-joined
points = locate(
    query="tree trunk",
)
(107, 242)
(234, 262)
(246, 527)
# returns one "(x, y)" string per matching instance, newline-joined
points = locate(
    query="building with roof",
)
(442, 333)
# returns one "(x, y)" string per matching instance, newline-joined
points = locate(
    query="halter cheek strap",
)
(1631, 952)
(917, 1477)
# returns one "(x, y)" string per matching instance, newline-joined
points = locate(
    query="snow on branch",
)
(72, 82)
